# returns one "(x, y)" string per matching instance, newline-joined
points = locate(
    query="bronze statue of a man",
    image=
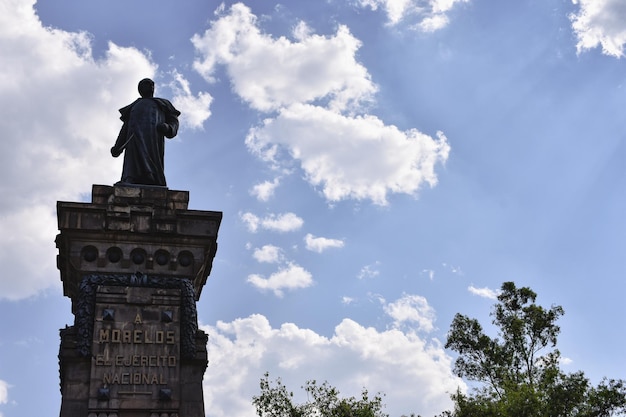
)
(147, 121)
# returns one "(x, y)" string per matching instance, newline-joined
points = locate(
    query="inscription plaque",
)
(135, 361)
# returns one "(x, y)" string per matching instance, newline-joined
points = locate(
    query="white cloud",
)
(433, 23)
(291, 277)
(483, 292)
(252, 221)
(351, 157)
(320, 244)
(268, 254)
(59, 121)
(399, 364)
(270, 73)
(600, 23)
(395, 9)
(194, 109)
(265, 190)
(430, 14)
(4, 392)
(369, 271)
(286, 222)
(412, 309)
(317, 89)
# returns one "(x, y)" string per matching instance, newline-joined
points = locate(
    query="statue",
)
(147, 121)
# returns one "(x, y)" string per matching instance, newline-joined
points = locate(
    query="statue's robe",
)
(143, 144)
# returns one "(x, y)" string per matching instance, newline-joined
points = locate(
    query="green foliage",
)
(323, 401)
(519, 370)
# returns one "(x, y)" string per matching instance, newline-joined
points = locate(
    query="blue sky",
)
(381, 166)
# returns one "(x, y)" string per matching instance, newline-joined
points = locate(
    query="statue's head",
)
(146, 88)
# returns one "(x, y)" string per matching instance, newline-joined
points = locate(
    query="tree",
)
(520, 370)
(323, 400)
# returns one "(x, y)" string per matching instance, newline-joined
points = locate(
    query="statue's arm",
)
(172, 122)
(170, 127)
(121, 141)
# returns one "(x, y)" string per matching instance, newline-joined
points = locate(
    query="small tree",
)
(520, 371)
(276, 401)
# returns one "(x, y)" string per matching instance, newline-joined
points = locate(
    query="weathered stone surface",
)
(85, 306)
(134, 262)
(74, 374)
(123, 230)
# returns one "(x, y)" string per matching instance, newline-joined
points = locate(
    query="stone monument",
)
(134, 261)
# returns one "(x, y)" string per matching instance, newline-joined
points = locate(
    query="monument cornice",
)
(130, 228)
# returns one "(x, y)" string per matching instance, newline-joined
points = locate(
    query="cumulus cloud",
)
(483, 292)
(431, 15)
(395, 9)
(412, 310)
(317, 92)
(265, 190)
(395, 362)
(320, 244)
(291, 277)
(600, 23)
(268, 254)
(351, 157)
(252, 221)
(285, 222)
(433, 23)
(59, 120)
(270, 73)
(194, 109)
(4, 392)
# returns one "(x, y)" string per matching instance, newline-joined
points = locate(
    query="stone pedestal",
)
(133, 262)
